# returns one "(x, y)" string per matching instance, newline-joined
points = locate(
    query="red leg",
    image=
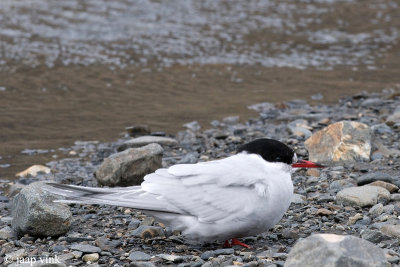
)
(227, 244)
(237, 242)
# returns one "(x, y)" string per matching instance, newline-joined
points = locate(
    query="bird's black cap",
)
(269, 149)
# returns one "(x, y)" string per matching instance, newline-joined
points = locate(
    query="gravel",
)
(115, 236)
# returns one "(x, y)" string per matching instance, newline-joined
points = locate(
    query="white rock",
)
(33, 171)
(92, 257)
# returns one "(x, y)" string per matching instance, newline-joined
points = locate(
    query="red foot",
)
(227, 244)
(235, 242)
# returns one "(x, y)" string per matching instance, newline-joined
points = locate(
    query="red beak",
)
(306, 164)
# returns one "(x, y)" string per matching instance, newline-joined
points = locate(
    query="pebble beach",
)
(355, 199)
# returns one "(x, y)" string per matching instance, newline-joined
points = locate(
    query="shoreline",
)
(315, 210)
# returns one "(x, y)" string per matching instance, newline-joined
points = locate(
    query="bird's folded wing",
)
(224, 189)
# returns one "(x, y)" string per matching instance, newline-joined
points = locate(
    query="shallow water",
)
(83, 70)
(275, 33)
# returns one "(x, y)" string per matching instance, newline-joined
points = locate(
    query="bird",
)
(242, 195)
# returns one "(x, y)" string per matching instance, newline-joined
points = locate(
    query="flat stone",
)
(362, 196)
(146, 140)
(141, 264)
(139, 256)
(335, 250)
(375, 176)
(224, 251)
(340, 141)
(33, 171)
(130, 166)
(92, 257)
(85, 248)
(34, 212)
(391, 230)
(107, 245)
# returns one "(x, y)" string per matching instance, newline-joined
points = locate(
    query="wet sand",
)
(97, 104)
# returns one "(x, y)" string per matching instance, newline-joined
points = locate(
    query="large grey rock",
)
(362, 196)
(331, 250)
(130, 166)
(146, 140)
(35, 213)
(341, 141)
